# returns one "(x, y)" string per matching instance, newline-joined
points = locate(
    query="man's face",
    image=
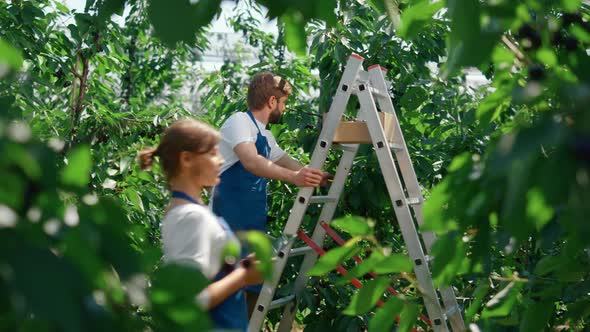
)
(278, 110)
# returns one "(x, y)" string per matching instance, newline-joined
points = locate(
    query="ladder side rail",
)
(402, 211)
(318, 158)
(318, 235)
(337, 108)
(377, 79)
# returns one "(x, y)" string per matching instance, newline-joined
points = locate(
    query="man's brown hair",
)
(263, 86)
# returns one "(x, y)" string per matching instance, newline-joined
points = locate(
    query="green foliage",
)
(504, 169)
(262, 248)
(69, 261)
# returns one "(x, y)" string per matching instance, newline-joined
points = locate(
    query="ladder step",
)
(322, 199)
(281, 302)
(343, 147)
(413, 200)
(300, 251)
(396, 146)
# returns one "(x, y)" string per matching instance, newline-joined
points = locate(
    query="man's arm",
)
(287, 162)
(260, 166)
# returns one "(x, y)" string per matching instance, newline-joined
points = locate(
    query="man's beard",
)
(275, 115)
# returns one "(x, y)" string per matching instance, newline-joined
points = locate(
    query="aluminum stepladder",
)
(370, 87)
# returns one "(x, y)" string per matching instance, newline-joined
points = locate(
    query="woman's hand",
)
(250, 273)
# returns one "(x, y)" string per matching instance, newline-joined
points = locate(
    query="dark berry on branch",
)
(570, 43)
(570, 18)
(556, 38)
(536, 72)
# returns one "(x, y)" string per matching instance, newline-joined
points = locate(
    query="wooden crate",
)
(349, 132)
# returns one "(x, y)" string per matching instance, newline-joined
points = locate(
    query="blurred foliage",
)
(504, 167)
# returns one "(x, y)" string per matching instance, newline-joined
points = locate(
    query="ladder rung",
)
(300, 251)
(344, 147)
(281, 302)
(396, 146)
(413, 200)
(322, 199)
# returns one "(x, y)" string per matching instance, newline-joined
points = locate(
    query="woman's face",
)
(203, 168)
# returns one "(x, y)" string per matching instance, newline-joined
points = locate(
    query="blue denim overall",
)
(232, 313)
(240, 196)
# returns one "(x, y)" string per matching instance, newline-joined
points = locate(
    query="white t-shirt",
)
(193, 235)
(239, 128)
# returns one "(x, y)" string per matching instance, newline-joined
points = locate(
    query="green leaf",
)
(365, 298)
(408, 317)
(362, 268)
(537, 316)
(333, 258)
(490, 108)
(478, 296)
(537, 210)
(469, 43)
(353, 225)
(172, 293)
(548, 264)
(110, 7)
(135, 199)
(295, 37)
(414, 98)
(394, 263)
(547, 57)
(262, 247)
(571, 5)
(77, 172)
(179, 21)
(384, 317)
(10, 56)
(417, 16)
(501, 304)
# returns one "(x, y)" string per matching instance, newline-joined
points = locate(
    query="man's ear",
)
(270, 100)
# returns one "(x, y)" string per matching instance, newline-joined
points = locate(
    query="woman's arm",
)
(222, 289)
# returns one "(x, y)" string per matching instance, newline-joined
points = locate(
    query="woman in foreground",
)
(191, 233)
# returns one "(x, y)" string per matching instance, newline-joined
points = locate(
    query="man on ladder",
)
(252, 156)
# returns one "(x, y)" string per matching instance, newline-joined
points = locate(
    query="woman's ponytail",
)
(146, 158)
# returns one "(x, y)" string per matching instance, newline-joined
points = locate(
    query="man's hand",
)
(326, 179)
(308, 177)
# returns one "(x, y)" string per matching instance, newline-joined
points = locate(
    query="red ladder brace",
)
(355, 282)
(330, 231)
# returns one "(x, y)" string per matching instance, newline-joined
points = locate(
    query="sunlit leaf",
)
(262, 247)
(352, 225)
(333, 258)
(365, 298)
(10, 56)
(77, 171)
(384, 317)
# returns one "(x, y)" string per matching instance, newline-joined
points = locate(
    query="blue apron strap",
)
(181, 195)
(254, 120)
